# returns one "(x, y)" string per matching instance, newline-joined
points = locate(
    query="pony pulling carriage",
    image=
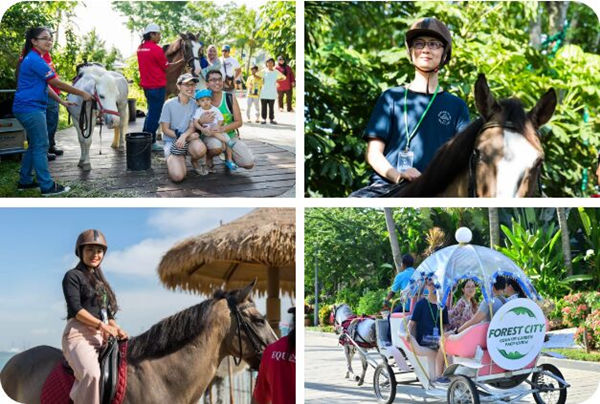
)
(488, 362)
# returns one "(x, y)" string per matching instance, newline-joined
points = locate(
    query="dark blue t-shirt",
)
(447, 116)
(425, 320)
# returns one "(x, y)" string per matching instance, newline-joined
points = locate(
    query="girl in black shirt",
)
(91, 306)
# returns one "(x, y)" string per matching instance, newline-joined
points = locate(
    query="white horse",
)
(110, 91)
(361, 330)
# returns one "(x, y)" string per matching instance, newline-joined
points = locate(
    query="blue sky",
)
(37, 248)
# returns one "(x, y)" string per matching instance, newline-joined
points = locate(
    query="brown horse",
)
(498, 155)
(172, 362)
(186, 49)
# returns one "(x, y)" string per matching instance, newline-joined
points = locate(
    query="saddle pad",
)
(349, 326)
(58, 385)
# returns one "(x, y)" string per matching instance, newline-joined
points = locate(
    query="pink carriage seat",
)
(465, 344)
(399, 315)
(495, 369)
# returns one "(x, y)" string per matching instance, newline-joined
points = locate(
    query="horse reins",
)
(472, 191)
(257, 342)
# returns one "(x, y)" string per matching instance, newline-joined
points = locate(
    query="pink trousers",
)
(80, 345)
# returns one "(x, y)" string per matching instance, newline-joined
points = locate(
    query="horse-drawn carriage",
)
(488, 362)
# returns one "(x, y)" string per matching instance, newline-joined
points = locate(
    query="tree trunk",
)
(535, 30)
(391, 227)
(494, 227)
(564, 236)
(557, 14)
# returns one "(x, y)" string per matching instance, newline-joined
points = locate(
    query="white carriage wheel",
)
(541, 381)
(384, 383)
(462, 391)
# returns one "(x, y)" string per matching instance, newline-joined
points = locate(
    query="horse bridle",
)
(258, 344)
(190, 61)
(86, 125)
(472, 191)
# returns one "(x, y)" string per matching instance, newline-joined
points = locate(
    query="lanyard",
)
(434, 318)
(412, 135)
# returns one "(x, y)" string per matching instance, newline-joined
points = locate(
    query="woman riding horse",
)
(91, 307)
(410, 123)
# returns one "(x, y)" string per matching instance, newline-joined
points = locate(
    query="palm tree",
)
(494, 227)
(391, 227)
(564, 238)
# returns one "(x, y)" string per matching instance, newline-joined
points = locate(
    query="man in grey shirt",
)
(180, 137)
(483, 313)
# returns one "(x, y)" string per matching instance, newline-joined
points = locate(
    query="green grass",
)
(9, 176)
(578, 354)
(326, 328)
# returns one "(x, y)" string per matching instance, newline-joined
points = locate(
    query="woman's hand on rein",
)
(87, 96)
(108, 330)
(410, 174)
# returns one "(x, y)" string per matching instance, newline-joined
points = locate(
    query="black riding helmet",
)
(433, 27)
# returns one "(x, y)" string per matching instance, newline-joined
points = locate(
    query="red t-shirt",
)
(285, 85)
(153, 65)
(276, 381)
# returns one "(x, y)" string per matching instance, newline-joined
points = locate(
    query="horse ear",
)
(245, 292)
(485, 102)
(543, 110)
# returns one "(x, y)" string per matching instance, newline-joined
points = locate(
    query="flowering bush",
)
(582, 310)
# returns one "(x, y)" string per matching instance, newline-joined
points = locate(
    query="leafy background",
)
(355, 50)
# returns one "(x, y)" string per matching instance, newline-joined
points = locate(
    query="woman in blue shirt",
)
(29, 108)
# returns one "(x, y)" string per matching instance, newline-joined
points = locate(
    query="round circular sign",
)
(516, 334)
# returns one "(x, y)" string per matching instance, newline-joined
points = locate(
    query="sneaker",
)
(202, 169)
(263, 123)
(156, 147)
(56, 189)
(56, 151)
(22, 187)
(231, 166)
(51, 156)
(273, 122)
(442, 380)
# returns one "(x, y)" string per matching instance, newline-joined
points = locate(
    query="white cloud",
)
(140, 259)
(191, 222)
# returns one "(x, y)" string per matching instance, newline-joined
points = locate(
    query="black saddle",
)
(109, 360)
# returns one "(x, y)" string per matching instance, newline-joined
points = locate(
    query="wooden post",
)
(273, 302)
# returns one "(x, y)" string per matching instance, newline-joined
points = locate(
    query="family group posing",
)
(466, 312)
(203, 120)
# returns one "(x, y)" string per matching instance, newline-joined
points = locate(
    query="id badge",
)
(406, 158)
(436, 332)
(104, 315)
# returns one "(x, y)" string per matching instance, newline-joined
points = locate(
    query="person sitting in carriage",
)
(424, 328)
(466, 307)
(483, 313)
(410, 123)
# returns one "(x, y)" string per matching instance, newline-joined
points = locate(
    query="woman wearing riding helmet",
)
(91, 306)
(410, 123)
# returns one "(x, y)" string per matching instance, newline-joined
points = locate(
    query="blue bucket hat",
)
(203, 93)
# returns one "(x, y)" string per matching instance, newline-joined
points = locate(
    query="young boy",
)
(203, 100)
(254, 85)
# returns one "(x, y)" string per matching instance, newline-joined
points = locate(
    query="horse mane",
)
(94, 69)
(174, 332)
(448, 162)
(172, 48)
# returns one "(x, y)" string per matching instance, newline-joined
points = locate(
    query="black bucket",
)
(131, 107)
(139, 150)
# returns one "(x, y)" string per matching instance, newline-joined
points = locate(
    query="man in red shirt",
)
(153, 64)
(276, 382)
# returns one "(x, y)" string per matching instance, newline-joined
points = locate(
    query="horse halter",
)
(242, 325)
(472, 192)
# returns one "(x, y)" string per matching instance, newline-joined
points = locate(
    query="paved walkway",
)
(274, 174)
(325, 367)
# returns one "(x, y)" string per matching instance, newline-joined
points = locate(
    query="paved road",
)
(325, 369)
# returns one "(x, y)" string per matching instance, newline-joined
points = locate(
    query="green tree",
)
(278, 29)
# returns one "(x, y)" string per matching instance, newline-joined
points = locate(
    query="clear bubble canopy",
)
(448, 266)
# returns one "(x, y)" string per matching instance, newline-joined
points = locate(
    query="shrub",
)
(371, 302)
(324, 313)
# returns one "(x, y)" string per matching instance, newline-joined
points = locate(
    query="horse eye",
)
(259, 320)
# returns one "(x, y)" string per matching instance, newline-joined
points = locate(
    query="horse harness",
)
(242, 325)
(475, 155)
